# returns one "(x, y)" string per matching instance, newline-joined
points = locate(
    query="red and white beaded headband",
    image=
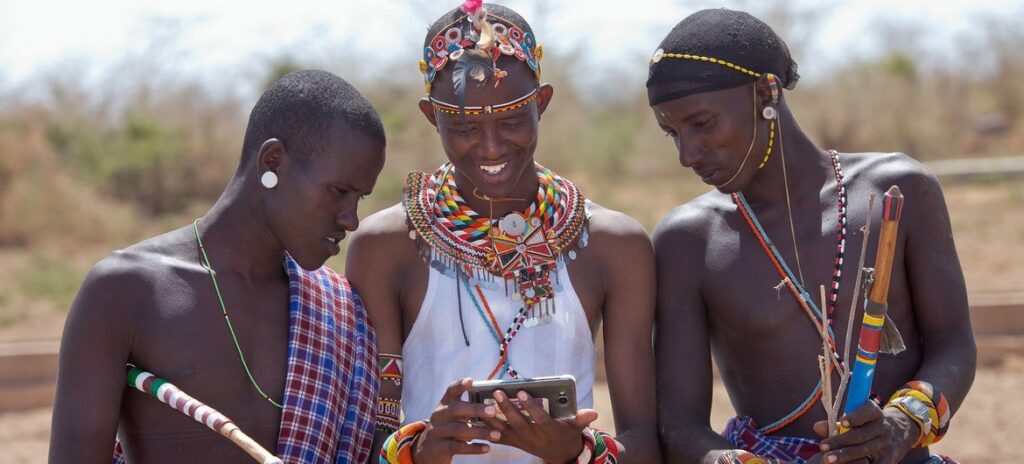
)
(466, 32)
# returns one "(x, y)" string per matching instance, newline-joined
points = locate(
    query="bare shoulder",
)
(607, 223)
(886, 169)
(121, 286)
(690, 224)
(385, 231)
(380, 247)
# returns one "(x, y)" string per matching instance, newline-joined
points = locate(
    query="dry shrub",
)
(41, 202)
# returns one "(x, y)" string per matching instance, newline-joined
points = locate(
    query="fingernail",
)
(824, 447)
(498, 395)
(846, 423)
(495, 435)
(522, 395)
(485, 448)
(832, 458)
(489, 410)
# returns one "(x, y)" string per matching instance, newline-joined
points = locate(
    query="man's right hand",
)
(449, 431)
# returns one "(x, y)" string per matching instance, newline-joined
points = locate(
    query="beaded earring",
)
(769, 112)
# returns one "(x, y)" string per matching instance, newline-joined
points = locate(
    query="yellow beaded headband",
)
(465, 33)
(660, 54)
(473, 110)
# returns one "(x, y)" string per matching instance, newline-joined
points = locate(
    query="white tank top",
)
(435, 353)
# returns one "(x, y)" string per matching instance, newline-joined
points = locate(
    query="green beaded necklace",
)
(216, 288)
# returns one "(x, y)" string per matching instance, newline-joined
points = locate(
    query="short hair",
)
(300, 108)
(722, 34)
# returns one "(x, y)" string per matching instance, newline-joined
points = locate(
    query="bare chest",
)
(186, 339)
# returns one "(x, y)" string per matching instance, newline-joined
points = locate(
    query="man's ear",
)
(428, 110)
(270, 156)
(543, 98)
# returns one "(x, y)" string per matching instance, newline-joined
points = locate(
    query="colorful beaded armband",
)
(390, 368)
(598, 448)
(388, 415)
(938, 410)
(397, 448)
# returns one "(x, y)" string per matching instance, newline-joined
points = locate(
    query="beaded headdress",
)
(479, 30)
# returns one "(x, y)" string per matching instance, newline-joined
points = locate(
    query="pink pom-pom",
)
(470, 6)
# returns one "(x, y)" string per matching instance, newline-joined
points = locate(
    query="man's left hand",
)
(880, 436)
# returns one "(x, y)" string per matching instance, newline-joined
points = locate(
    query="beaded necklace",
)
(227, 319)
(795, 287)
(521, 248)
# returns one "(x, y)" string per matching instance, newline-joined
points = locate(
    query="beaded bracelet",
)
(598, 448)
(397, 448)
(740, 456)
(938, 410)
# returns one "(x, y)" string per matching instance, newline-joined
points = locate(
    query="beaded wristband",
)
(397, 448)
(938, 410)
(598, 448)
(740, 456)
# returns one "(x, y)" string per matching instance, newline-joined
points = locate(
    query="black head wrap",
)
(726, 35)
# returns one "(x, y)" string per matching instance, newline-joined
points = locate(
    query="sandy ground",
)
(981, 431)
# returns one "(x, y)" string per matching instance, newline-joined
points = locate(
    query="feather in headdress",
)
(474, 64)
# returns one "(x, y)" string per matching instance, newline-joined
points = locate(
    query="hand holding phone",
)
(555, 395)
(554, 434)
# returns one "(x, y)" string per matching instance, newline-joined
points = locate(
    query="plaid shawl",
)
(742, 432)
(332, 385)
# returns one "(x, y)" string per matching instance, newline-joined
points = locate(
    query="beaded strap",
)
(397, 448)
(938, 410)
(806, 302)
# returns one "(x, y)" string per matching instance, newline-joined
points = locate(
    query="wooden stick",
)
(876, 305)
(825, 366)
(171, 395)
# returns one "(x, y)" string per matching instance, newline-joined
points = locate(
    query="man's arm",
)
(91, 377)
(682, 347)
(939, 302)
(370, 268)
(937, 291)
(628, 318)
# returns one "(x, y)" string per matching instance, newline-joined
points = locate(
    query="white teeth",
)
(493, 169)
(332, 240)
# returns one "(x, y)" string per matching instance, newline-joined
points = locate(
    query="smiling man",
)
(495, 267)
(716, 87)
(235, 307)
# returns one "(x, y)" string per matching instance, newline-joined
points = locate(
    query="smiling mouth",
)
(494, 169)
(333, 240)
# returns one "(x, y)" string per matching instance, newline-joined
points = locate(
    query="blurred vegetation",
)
(86, 167)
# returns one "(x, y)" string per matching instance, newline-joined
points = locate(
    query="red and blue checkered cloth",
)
(332, 384)
(742, 432)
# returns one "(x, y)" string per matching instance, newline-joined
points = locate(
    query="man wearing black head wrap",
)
(716, 87)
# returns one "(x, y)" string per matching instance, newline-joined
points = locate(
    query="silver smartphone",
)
(555, 394)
